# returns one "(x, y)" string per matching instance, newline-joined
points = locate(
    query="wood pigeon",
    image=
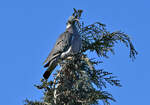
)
(68, 43)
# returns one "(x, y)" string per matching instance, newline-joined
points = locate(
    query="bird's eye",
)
(70, 22)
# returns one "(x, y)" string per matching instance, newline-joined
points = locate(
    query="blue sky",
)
(29, 29)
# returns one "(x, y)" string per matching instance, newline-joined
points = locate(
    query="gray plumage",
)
(68, 43)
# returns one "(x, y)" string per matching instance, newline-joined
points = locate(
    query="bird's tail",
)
(46, 74)
(51, 67)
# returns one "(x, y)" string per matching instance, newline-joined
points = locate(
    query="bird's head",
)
(71, 21)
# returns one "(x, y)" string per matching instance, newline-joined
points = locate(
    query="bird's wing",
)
(62, 44)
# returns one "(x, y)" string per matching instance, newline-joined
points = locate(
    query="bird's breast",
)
(76, 43)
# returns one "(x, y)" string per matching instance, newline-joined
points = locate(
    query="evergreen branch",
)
(97, 38)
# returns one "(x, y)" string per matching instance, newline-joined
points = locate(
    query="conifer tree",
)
(80, 80)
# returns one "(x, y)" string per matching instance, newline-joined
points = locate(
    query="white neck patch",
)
(68, 26)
